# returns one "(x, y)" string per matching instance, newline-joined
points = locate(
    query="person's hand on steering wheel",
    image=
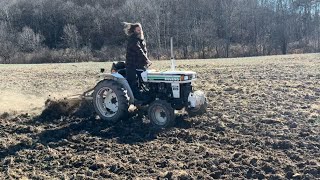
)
(149, 63)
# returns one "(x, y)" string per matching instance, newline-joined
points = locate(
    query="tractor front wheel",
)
(161, 114)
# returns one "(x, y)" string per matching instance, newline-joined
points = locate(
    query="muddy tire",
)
(110, 100)
(161, 114)
(198, 111)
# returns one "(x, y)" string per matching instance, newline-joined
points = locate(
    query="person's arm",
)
(141, 53)
(146, 53)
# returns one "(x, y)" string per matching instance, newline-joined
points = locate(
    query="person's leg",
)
(132, 80)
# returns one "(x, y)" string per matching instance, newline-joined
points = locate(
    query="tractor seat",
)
(119, 67)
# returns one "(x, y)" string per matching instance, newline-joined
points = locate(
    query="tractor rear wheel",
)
(110, 100)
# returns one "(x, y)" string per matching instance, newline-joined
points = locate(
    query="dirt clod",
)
(55, 109)
(4, 115)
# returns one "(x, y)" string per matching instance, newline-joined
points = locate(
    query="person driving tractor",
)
(136, 56)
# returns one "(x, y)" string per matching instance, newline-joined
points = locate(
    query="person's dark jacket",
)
(136, 56)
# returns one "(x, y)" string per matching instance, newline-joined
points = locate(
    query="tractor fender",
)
(120, 79)
(113, 76)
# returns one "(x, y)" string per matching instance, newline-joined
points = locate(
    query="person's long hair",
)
(130, 27)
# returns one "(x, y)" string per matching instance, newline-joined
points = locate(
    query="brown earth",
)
(263, 122)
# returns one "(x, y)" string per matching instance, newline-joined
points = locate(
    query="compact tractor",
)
(166, 92)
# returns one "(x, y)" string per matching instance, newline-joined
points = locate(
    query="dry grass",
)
(24, 88)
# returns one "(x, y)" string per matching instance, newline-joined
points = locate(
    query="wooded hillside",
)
(38, 31)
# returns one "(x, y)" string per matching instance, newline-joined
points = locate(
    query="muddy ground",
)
(263, 121)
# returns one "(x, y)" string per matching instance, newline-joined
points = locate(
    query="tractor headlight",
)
(186, 77)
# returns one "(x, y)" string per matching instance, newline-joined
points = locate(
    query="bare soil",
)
(263, 122)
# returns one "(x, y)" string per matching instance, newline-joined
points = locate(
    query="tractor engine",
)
(176, 95)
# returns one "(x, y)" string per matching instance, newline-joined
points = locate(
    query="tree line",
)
(48, 31)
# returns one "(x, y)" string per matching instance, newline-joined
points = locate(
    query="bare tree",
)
(28, 40)
(7, 44)
(71, 36)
